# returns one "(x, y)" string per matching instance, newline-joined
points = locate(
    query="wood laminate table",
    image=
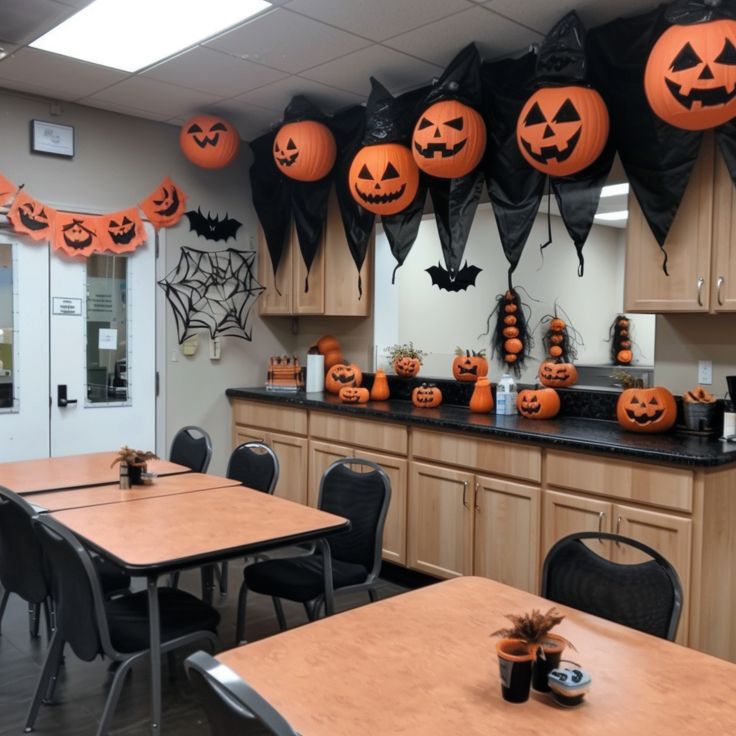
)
(160, 535)
(424, 664)
(71, 471)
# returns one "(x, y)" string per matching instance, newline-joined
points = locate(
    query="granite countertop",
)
(567, 432)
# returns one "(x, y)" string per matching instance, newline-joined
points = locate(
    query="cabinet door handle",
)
(475, 496)
(601, 516)
(465, 493)
(719, 284)
(618, 529)
(701, 281)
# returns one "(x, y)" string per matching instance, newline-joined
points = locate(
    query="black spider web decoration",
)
(213, 290)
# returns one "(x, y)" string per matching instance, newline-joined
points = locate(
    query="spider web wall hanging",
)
(212, 290)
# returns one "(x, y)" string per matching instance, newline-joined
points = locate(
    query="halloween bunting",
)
(7, 190)
(31, 217)
(121, 232)
(75, 234)
(209, 142)
(164, 206)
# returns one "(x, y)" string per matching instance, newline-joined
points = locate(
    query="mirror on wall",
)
(6, 326)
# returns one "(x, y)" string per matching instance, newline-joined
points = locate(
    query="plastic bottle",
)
(506, 395)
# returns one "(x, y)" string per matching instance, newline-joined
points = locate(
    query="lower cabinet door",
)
(321, 456)
(293, 457)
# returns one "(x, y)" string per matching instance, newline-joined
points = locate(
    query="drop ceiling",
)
(326, 49)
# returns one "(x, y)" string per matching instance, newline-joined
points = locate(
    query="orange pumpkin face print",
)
(209, 142)
(305, 150)
(562, 130)
(31, 217)
(384, 178)
(690, 77)
(449, 139)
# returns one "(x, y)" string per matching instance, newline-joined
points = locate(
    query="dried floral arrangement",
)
(533, 627)
(133, 458)
(395, 352)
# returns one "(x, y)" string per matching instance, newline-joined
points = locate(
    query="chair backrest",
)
(192, 447)
(80, 608)
(646, 596)
(231, 705)
(362, 497)
(22, 566)
(255, 465)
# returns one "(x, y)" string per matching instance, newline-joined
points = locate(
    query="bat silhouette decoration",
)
(212, 228)
(460, 281)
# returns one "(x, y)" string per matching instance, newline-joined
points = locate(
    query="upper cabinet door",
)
(723, 278)
(277, 299)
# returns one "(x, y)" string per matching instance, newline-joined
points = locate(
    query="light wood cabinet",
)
(333, 278)
(701, 255)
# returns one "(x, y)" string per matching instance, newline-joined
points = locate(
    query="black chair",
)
(117, 628)
(346, 561)
(191, 447)
(646, 596)
(231, 705)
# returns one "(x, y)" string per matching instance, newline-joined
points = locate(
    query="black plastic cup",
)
(515, 666)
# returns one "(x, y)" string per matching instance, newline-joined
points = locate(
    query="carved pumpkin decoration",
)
(379, 389)
(384, 178)
(304, 150)
(557, 375)
(690, 77)
(353, 395)
(469, 365)
(449, 139)
(209, 141)
(426, 396)
(407, 367)
(341, 375)
(538, 403)
(647, 410)
(562, 130)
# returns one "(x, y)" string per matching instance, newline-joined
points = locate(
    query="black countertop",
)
(567, 432)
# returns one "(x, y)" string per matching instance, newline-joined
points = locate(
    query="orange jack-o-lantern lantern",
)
(562, 130)
(690, 77)
(209, 141)
(646, 409)
(384, 178)
(426, 396)
(341, 375)
(305, 150)
(353, 395)
(407, 367)
(557, 375)
(469, 365)
(449, 139)
(538, 403)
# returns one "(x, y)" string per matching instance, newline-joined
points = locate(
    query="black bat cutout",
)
(212, 228)
(465, 277)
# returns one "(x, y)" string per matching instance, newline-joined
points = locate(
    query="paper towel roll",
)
(315, 373)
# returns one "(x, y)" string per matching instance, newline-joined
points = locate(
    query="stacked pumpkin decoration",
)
(558, 371)
(538, 403)
(620, 337)
(469, 365)
(512, 340)
(648, 410)
(209, 142)
(426, 396)
(329, 346)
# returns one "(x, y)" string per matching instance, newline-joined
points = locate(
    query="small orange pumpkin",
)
(407, 367)
(481, 402)
(353, 395)
(509, 319)
(334, 357)
(647, 410)
(426, 396)
(327, 343)
(557, 375)
(209, 141)
(342, 375)
(469, 365)
(513, 345)
(624, 357)
(538, 403)
(379, 389)
(511, 332)
(305, 150)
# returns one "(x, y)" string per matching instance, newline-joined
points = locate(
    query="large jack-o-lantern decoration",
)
(648, 410)
(690, 77)
(562, 130)
(209, 141)
(304, 150)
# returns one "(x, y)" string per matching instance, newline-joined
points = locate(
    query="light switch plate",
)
(705, 372)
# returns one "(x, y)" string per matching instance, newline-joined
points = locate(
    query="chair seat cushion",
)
(113, 579)
(180, 612)
(300, 578)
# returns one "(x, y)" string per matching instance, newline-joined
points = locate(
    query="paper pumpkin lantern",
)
(383, 178)
(449, 139)
(690, 76)
(648, 410)
(209, 142)
(305, 150)
(538, 403)
(562, 130)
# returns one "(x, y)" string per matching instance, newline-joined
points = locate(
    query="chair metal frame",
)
(619, 539)
(208, 444)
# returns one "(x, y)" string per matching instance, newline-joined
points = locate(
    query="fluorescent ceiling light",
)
(134, 34)
(613, 190)
(612, 216)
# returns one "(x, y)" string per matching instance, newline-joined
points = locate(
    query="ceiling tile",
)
(60, 76)
(287, 41)
(439, 42)
(22, 21)
(394, 70)
(214, 71)
(378, 19)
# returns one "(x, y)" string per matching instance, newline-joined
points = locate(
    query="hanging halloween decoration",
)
(121, 232)
(304, 150)
(620, 338)
(341, 375)
(75, 234)
(538, 403)
(648, 410)
(560, 338)
(209, 141)
(469, 365)
(7, 190)
(212, 228)
(354, 395)
(465, 277)
(511, 341)
(426, 396)
(214, 291)
(31, 217)
(164, 206)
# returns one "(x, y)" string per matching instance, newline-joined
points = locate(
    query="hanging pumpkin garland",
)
(620, 339)
(512, 340)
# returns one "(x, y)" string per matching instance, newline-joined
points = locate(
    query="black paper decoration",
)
(212, 228)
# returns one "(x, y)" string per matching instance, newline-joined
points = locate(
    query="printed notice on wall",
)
(108, 339)
(66, 306)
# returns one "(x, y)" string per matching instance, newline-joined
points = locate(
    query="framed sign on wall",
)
(52, 138)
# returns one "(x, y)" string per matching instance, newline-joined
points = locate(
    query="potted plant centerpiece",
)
(133, 463)
(406, 360)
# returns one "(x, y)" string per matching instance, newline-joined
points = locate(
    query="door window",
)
(7, 302)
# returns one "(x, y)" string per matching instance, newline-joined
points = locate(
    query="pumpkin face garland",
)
(209, 142)
(304, 150)
(75, 234)
(426, 396)
(383, 178)
(648, 410)
(469, 365)
(538, 403)
(562, 130)
(690, 76)
(121, 232)
(449, 139)
(164, 207)
(31, 217)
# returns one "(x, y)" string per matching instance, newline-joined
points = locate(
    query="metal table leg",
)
(155, 634)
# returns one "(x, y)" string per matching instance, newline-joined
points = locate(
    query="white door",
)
(84, 334)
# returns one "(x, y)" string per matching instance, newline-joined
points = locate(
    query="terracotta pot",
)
(379, 389)
(481, 402)
(515, 659)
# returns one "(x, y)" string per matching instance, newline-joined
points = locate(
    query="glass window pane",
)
(6, 326)
(107, 329)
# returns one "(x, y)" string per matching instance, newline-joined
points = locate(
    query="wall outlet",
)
(705, 372)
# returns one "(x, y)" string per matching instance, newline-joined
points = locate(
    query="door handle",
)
(61, 399)
(700, 283)
(601, 516)
(719, 284)
(465, 494)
